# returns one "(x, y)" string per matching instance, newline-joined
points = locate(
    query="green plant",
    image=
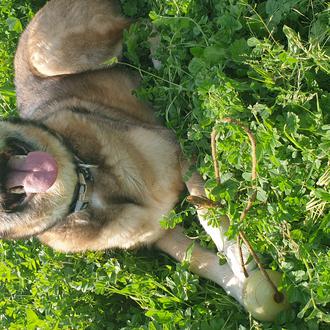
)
(265, 63)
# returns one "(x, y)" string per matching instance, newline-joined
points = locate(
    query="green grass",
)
(265, 63)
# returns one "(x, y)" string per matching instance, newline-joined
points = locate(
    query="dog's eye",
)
(18, 147)
(19, 150)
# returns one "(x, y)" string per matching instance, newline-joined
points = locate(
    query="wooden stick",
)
(278, 296)
(214, 155)
(246, 274)
(202, 202)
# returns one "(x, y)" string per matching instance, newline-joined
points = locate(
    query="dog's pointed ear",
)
(86, 41)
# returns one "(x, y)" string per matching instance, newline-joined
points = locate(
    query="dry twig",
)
(202, 202)
(214, 155)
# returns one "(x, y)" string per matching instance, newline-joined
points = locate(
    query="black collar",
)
(85, 180)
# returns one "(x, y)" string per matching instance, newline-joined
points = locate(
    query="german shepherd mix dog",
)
(87, 166)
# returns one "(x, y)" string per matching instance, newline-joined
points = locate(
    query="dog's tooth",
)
(17, 190)
(18, 157)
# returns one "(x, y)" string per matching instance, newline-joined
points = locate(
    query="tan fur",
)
(138, 176)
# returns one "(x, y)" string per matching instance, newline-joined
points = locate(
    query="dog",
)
(87, 166)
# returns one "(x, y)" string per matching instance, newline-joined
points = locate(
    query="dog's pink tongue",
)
(36, 172)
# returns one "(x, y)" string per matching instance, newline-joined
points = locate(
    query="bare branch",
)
(202, 202)
(214, 155)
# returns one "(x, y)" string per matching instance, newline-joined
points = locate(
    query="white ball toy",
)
(259, 297)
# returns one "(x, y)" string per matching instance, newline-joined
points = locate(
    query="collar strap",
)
(84, 185)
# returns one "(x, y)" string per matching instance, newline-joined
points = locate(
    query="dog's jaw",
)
(30, 219)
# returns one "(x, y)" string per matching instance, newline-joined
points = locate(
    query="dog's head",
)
(37, 179)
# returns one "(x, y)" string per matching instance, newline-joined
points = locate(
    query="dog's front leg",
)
(203, 262)
(195, 185)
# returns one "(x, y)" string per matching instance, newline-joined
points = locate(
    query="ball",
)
(259, 297)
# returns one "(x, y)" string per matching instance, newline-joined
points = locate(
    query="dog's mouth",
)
(28, 172)
(35, 172)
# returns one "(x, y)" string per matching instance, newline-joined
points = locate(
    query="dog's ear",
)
(91, 37)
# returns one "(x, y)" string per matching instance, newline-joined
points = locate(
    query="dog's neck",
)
(84, 187)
